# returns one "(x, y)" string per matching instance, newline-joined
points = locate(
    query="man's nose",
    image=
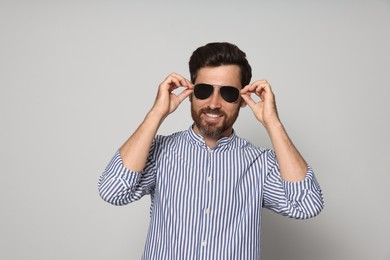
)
(215, 99)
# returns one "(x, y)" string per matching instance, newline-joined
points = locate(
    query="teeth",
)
(212, 115)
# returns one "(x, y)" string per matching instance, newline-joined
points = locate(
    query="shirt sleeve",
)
(120, 186)
(300, 200)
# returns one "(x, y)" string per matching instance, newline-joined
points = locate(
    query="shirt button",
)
(209, 179)
(204, 243)
(207, 211)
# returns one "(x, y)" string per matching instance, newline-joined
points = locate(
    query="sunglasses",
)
(228, 93)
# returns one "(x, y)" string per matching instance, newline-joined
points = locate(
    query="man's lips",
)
(213, 115)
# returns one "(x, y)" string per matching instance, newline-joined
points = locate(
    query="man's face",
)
(214, 117)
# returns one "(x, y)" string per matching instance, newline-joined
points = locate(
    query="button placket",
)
(207, 201)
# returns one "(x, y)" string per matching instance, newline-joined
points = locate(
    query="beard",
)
(213, 129)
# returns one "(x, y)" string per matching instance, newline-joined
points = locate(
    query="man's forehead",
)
(220, 75)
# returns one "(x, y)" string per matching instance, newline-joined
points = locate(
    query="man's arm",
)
(135, 150)
(120, 182)
(292, 165)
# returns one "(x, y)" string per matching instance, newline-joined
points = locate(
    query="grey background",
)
(77, 77)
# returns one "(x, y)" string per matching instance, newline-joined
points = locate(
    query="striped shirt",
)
(206, 203)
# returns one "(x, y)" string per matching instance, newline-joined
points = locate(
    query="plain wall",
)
(77, 78)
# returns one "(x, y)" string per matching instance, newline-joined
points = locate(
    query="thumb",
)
(248, 100)
(184, 94)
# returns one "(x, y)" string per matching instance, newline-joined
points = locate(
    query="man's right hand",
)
(134, 151)
(166, 101)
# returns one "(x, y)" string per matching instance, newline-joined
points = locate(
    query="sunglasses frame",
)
(223, 91)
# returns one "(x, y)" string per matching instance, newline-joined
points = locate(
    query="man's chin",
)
(211, 130)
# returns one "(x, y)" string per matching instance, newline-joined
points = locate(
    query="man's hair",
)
(217, 54)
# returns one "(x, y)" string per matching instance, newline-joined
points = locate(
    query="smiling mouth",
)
(212, 115)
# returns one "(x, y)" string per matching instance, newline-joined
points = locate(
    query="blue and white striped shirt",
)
(206, 203)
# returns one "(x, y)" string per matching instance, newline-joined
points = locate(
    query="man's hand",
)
(166, 101)
(265, 109)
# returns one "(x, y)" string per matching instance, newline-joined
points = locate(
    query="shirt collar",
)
(199, 140)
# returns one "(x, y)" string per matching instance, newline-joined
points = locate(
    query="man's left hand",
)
(265, 109)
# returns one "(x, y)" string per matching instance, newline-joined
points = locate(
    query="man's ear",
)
(242, 103)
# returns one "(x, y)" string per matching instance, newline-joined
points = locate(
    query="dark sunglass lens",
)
(230, 94)
(203, 91)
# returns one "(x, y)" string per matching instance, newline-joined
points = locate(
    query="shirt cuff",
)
(126, 175)
(298, 191)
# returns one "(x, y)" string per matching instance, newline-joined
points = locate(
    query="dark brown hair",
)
(217, 54)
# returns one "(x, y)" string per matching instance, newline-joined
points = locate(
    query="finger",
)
(262, 81)
(189, 84)
(245, 89)
(262, 89)
(173, 80)
(184, 94)
(255, 86)
(248, 100)
(182, 80)
(253, 89)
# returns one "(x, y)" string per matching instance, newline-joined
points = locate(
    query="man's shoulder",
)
(173, 137)
(250, 147)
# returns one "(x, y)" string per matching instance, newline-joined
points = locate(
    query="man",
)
(207, 185)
